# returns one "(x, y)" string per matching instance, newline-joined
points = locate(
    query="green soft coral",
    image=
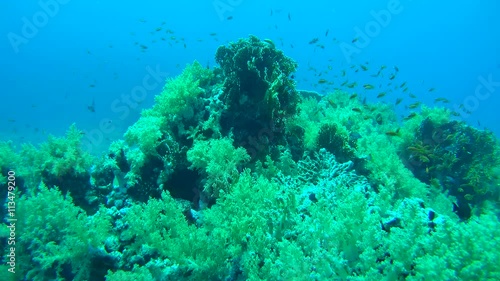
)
(64, 235)
(59, 156)
(9, 159)
(138, 273)
(65, 155)
(146, 133)
(159, 228)
(180, 93)
(219, 160)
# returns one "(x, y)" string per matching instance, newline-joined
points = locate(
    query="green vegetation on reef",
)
(234, 174)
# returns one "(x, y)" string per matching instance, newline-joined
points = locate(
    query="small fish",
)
(355, 40)
(392, 77)
(431, 90)
(398, 101)
(144, 47)
(393, 133)
(414, 149)
(322, 81)
(289, 17)
(368, 87)
(229, 18)
(91, 86)
(412, 96)
(353, 96)
(355, 109)
(158, 29)
(396, 68)
(343, 73)
(414, 105)
(213, 34)
(413, 114)
(424, 159)
(91, 107)
(443, 100)
(405, 89)
(344, 83)
(352, 85)
(326, 33)
(313, 41)
(402, 85)
(381, 95)
(364, 67)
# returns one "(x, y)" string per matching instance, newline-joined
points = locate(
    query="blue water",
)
(57, 59)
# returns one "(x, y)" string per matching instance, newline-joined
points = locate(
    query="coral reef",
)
(461, 159)
(234, 174)
(258, 92)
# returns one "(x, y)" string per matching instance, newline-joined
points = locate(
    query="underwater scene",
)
(250, 140)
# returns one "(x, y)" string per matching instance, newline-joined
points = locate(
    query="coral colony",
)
(235, 174)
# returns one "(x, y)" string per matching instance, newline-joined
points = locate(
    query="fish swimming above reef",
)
(314, 41)
(91, 107)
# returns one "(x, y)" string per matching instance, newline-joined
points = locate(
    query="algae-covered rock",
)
(258, 90)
